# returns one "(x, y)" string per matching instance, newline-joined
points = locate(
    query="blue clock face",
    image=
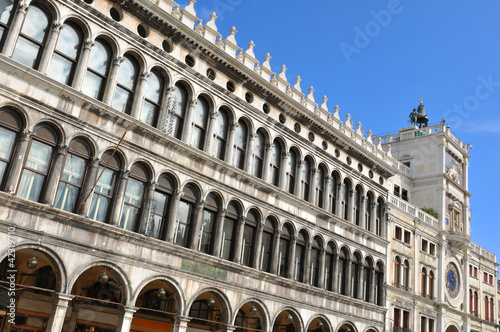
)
(452, 281)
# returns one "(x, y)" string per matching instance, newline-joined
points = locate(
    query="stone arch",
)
(220, 298)
(262, 310)
(319, 323)
(282, 318)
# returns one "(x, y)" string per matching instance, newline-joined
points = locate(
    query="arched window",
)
(37, 164)
(33, 36)
(208, 220)
(267, 245)
(291, 171)
(6, 7)
(134, 193)
(378, 284)
(229, 233)
(65, 58)
(160, 206)
(397, 271)
(355, 270)
(259, 146)
(431, 285)
(342, 272)
(179, 100)
(476, 304)
(406, 275)
(153, 94)
(357, 205)
(125, 84)
(284, 251)
(367, 279)
(185, 214)
(346, 188)
(249, 235)
(300, 251)
(315, 261)
(72, 175)
(424, 282)
(200, 118)
(332, 193)
(10, 127)
(368, 211)
(320, 186)
(98, 66)
(329, 264)
(240, 145)
(471, 302)
(220, 137)
(305, 179)
(486, 308)
(492, 316)
(109, 170)
(275, 163)
(378, 216)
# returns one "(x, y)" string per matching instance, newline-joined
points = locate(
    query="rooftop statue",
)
(418, 116)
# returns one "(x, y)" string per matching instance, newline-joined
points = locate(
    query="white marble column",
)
(59, 308)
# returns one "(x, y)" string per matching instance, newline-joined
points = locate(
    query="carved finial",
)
(211, 23)
(358, 125)
(296, 86)
(249, 51)
(282, 74)
(233, 31)
(336, 108)
(347, 117)
(310, 95)
(323, 106)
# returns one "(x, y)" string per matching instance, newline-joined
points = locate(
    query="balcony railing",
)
(413, 210)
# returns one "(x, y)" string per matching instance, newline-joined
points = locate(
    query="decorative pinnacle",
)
(297, 80)
(233, 31)
(267, 57)
(251, 44)
(283, 69)
(213, 16)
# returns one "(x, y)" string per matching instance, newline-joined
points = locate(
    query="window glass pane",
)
(7, 139)
(123, 100)
(222, 123)
(31, 185)
(153, 88)
(206, 230)
(66, 197)
(247, 244)
(99, 207)
(26, 52)
(69, 41)
(93, 85)
(184, 219)
(35, 24)
(228, 238)
(106, 182)
(60, 69)
(74, 169)
(129, 218)
(99, 57)
(266, 250)
(133, 195)
(5, 10)
(39, 157)
(127, 73)
(3, 167)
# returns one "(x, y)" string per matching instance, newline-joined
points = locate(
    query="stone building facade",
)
(156, 177)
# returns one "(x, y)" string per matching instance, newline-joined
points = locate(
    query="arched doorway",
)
(318, 324)
(99, 295)
(452, 328)
(157, 305)
(208, 312)
(347, 327)
(287, 321)
(32, 278)
(250, 318)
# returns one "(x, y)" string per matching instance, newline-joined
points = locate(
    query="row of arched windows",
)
(72, 179)
(65, 53)
(489, 303)
(402, 273)
(427, 283)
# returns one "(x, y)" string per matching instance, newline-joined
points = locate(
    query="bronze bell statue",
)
(418, 116)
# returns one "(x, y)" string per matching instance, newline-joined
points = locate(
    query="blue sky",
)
(376, 58)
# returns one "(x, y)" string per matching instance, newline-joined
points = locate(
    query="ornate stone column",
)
(172, 216)
(59, 308)
(350, 206)
(326, 191)
(50, 45)
(49, 194)
(125, 319)
(188, 122)
(117, 203)
(139, 95)
(16, 165)
(210, 132)
(335, 279)
(83, 202)
(145, 213)
(312, 186)
(239, 239)
(338, 200)
(230, 143)
(219, 233)
(81, 67)
(180, 324)
(249, 154)
(109, 92)
(360, 281)
(298, 177)
(276, 252)
(196, 230)
(166, 110)
(321, 268)
(361, 211)
(258, 250)
(291, 261)
(266, 162)
(307, 268)
(373, 217)
(348, 277)
(15, 28)
(284, 165)
(371, 293)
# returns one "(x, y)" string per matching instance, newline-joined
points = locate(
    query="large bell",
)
(418, 116)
